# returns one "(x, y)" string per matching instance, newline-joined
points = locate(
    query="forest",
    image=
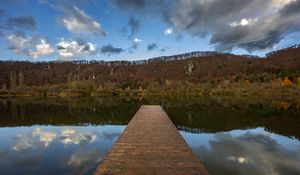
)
(195, 73)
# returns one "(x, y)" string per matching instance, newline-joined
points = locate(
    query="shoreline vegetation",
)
(285, 89)
(283, 85)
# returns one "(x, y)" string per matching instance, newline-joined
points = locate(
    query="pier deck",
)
(151, 144)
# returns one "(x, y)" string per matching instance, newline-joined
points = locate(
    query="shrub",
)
(298, 80)
(261, 77)
(287, 82)
(291, 74)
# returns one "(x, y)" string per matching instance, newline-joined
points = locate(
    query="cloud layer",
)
(250, 25)
(249, 153)
(78, 22)
(13, 23)
(74, 49)
(42, 48)
(109, 49)
(152, 46)
(134, 26)
(232, 25)
(32, 46)
(25, 22)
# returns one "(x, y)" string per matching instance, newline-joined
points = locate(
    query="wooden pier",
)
(151, 144)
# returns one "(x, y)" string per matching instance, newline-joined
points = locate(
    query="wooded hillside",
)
(195, 67)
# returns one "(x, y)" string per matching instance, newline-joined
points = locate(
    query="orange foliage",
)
(298, 104)
(287, 82)
(298, 80)
(285, 105)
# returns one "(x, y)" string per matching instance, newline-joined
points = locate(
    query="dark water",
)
(71, 136)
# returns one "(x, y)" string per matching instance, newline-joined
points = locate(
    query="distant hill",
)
(193, 67)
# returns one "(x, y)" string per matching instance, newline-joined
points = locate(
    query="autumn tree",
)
(21, 79)
(13, 81)
(4, 87)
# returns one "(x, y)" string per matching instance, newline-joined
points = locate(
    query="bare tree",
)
(13, 81)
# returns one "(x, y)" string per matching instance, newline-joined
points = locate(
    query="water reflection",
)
(55, 150)
(253, 151)
(71, 136)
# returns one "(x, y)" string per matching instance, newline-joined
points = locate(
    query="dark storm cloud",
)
(200, 18)
(131, 4)
(163, 49)
(231, 24)
(291, 8)
(270, 38)
(215, 18)
(2, 14)
(131, 29)
(140, 6)
(21, 22)
(134, 26)
(12, 23)
(152, 46)
(109, 49)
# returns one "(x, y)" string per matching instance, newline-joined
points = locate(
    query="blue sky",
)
(41, 30)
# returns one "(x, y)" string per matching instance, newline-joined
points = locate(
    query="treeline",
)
(170, 73)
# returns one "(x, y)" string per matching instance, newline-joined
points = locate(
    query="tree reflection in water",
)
(71, 136)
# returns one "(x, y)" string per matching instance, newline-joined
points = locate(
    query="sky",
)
(46, 30)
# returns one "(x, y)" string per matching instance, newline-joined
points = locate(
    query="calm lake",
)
(71, 136)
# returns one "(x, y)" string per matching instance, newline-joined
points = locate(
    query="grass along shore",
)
(278, 88)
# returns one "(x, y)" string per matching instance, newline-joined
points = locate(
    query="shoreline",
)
(272, 90)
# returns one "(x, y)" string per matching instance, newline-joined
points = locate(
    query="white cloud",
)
(137, 40)
(241, 160)
(70, 136)
(42, 49)
(33, 140)
(254, 151)
(45, 137)
(23, 143)
(32, 46)
(83, 157)
(80, 23)
(281, 3)
(244, 22)
(70, 49)
(67, 132)
(276, 19)
(168, 31)
(19, 43)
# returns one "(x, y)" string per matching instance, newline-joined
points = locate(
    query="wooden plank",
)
(151, 144)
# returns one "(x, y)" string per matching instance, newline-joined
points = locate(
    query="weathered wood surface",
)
(151, 144)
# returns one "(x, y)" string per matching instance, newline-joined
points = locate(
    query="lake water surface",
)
(72, 136)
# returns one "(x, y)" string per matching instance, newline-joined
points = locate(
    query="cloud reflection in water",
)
(246, 152)
(55, 150)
